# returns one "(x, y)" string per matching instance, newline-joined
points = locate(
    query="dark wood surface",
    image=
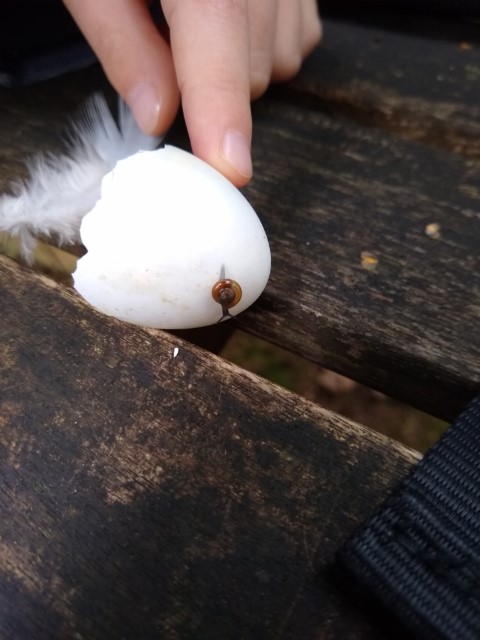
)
(339, 171)
(337, 174)
(147, 495)
(330, 189)
(144, 495)
(407, 73)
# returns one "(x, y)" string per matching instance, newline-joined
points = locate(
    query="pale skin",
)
(221, 54)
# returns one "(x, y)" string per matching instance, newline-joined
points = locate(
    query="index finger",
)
(134, 56)
(210, 46)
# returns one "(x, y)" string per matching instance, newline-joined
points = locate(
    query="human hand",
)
(221, 54)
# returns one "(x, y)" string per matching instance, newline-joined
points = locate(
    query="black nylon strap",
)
(419, 555)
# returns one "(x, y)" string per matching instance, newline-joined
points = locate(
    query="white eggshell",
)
(166, 228)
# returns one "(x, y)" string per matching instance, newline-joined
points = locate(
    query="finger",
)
(210, 45)
(135, 57)
(262, 19)
(311, 26)
(287, 57)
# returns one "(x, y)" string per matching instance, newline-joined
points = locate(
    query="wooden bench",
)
(147, 493)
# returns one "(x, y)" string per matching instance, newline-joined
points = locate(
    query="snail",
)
(170, 242)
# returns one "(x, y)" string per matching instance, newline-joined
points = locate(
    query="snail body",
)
(171, 244)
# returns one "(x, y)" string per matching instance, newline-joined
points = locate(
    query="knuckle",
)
(312, 36)
(287, 66)
(258, 84)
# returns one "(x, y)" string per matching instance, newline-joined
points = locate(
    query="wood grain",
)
(329, 189)
(410, 74)
(153, 496)
(147, 495)
(35, 119)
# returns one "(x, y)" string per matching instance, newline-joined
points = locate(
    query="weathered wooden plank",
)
(33, 119)
(413, 75)
(152, 496)
(409, 74)
(329, 190)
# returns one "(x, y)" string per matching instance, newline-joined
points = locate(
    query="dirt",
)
(413, 428)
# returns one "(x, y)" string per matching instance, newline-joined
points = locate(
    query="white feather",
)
(61, 189)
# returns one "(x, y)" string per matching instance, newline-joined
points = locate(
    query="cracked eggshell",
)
(166, 229)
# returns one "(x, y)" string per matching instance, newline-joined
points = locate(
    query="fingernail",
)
(145, 105)
(236, 151)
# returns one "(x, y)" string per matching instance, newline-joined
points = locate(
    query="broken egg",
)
(171, 244)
